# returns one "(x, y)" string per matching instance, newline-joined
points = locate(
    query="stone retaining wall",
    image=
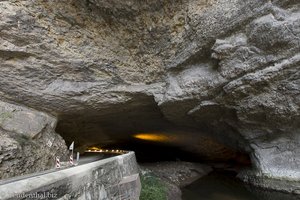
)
(112, 178)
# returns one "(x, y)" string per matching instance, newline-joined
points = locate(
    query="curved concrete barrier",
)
(111, 178)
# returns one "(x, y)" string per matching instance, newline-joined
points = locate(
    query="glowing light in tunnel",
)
(151, 137)
(98, 149)
(93, 148)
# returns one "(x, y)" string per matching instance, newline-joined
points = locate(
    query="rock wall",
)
(223, 69)
(28, 142)
(111, 178)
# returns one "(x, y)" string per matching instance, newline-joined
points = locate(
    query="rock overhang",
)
(219, 67)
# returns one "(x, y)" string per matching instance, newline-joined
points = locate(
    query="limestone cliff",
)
(28, 142)
(221, 69)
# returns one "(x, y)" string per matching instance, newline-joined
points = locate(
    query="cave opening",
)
(167, 149)
(140, 126)
(167, 144)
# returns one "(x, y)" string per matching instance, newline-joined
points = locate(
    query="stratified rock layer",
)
(225, 69)
(28, 142)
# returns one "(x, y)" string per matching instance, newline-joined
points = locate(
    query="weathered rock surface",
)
(28, 142)
(227, 69)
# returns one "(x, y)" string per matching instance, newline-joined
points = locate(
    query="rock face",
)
(28, 142)
(225, 69)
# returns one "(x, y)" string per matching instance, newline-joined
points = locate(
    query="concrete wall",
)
(112, 178)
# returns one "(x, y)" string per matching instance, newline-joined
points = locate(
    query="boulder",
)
(28, 142)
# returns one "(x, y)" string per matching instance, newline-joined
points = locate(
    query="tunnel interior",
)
(149, 152)
(141, 127)
(160, 146)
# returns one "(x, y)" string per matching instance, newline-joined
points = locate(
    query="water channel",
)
(224, 186)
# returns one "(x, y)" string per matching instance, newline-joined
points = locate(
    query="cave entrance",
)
(140, 126)
(166, 142)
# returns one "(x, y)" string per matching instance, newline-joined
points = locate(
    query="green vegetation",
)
(152, 188)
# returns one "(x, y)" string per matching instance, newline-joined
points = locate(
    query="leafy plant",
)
(152, 188)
